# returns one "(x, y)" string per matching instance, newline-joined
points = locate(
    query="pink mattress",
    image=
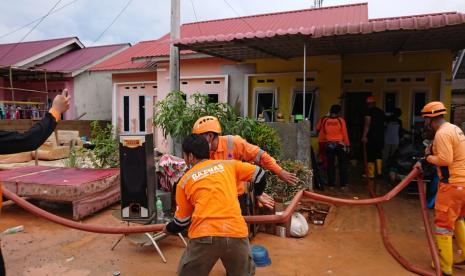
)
(60, 184)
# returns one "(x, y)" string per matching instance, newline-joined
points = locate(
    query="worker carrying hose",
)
(235, 147)
(373, 136)
(14, 142)
(448, 154)
(206, 199)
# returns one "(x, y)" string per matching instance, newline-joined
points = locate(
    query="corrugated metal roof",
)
(79, 59)
(262, 24)
(123, 60)
(11, 54)
(410, 33)
(415, 22)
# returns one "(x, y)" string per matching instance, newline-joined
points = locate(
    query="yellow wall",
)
(435, 67)
(326, 70)
(330, 71)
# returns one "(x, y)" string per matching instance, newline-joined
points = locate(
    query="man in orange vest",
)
(206, 199)
(14, 142)
(235, 147)
(448, 154)
(334, 129)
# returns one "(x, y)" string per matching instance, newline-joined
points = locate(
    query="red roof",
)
(263, 24)
(273, 21)
(79, 59)
(123, 60)
(11, 54)
(415, 22)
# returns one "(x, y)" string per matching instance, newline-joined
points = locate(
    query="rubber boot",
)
(371, 169)
(459, 233)
(446, 254)
(379, 166)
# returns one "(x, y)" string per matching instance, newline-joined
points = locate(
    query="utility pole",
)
(175, 33)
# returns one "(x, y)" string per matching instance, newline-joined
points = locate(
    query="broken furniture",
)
(57, 146)
(88, 190)
(21, 157)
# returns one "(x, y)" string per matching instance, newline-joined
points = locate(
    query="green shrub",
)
(106, 151)
(176, 118)
(283, 191)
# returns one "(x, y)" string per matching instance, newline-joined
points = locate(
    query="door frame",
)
(114, 98)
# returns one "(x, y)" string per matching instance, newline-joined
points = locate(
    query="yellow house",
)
(404, 62)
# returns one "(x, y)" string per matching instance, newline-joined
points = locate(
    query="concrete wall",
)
(92, 94)
(295, 139)
(237, 74)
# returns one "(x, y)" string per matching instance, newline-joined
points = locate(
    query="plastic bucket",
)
(260, 256)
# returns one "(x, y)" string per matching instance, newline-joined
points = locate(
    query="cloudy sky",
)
(149, 19)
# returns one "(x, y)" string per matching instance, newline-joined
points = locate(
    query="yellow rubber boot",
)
(379, 166)
(371, 170)
(446, 255)
(459, 233)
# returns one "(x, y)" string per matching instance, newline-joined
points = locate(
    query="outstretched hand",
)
(288, 177)
(266, 200)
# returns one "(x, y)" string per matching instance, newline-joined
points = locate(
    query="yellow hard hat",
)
(206, 124)
(433, 109)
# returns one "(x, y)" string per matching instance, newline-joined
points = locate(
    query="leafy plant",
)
(176, 117)
(281, 190)
(106, 151)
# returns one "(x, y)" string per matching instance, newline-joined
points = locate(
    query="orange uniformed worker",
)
(334, 130)
(448, 154)
(235, 147)
(206, 198)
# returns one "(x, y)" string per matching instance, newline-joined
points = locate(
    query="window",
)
(142, 113)
(265, 102)
(208, 82)
(369, 81)
(347, 81)
(126, 113)
(298, 102)
(391, 80)
(419, 99)
(390, 101)
(213, 98)
(184, 82)
(217, 82)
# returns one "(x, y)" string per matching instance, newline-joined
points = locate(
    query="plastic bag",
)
(299, 226)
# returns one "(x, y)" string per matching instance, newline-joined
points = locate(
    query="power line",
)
(239, 16)
(35, 20)
(102, 33)
(30, 31)
(196, 18)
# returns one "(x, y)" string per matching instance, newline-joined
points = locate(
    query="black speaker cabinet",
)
(138, 181)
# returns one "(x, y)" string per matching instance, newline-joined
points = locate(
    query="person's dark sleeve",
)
(14, 142)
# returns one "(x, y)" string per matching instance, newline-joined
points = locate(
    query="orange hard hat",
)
(206, 124)
(433, 109)
(371, 99)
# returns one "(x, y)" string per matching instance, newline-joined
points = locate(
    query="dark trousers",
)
(201, 255)
(334, 151)
(374, 150)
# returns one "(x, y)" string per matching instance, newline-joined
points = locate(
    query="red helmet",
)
(371, 99)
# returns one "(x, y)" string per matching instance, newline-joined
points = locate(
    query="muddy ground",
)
(348, 244)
